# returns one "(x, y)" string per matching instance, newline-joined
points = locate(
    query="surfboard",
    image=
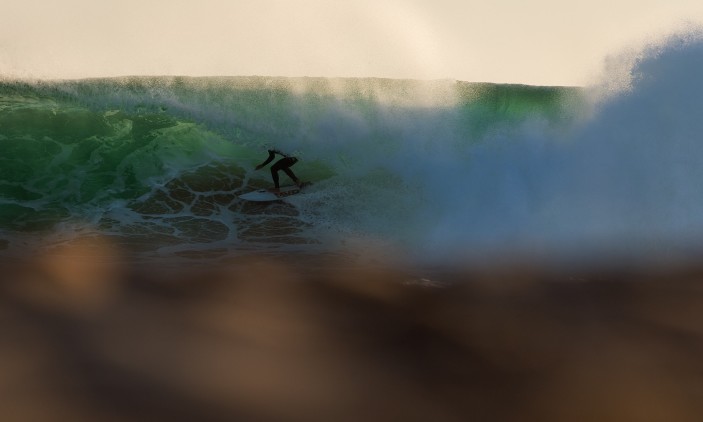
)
(266, 195)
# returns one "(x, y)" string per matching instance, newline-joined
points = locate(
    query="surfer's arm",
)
(272, 154)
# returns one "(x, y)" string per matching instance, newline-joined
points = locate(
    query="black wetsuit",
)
(284, 164)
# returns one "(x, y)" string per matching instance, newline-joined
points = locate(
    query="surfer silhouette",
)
(284, 164)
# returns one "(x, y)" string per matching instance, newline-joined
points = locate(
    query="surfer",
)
(284, 164)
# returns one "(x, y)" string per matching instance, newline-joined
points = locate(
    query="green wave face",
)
(61, 160)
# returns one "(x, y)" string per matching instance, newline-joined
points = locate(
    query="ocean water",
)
(436, 171)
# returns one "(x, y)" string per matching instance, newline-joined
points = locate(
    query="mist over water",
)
(624, 178)
(437, 170)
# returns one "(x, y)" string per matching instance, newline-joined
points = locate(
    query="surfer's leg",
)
(274, 176)
(284, 164)
(290, 174)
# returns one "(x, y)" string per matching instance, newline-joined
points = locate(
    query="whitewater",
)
(432, 171)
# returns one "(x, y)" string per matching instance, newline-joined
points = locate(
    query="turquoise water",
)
(439, 169)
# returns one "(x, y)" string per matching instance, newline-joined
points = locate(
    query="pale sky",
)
(541, 42)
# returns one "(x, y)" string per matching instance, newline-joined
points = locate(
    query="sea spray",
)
(622, 182)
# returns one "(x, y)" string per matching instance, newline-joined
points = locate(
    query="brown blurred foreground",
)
(87, 337)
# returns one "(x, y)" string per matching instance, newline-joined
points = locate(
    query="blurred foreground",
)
(89, 336)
